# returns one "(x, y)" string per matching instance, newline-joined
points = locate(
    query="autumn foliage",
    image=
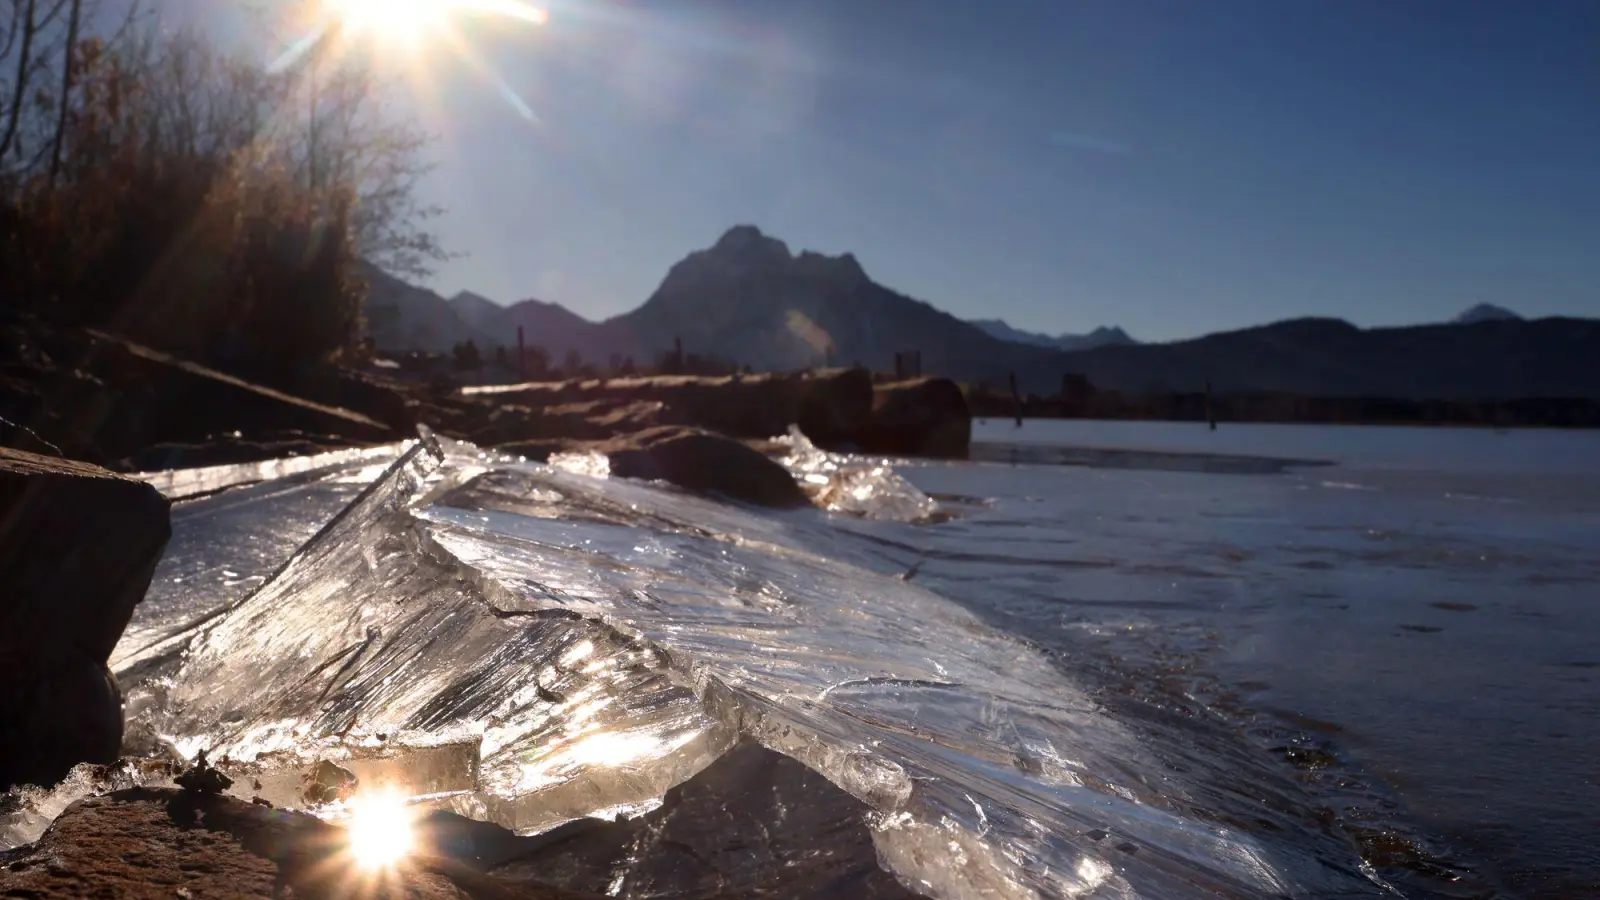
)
(199, 203)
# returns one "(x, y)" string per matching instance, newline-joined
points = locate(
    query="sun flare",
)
(379, 829)
(407, 35)
(411, 21)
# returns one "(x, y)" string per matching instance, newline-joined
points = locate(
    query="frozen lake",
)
(1264, 661)
(1422, 616)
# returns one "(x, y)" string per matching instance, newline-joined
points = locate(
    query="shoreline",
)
(1309, 423)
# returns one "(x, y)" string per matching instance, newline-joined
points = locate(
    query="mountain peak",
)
(476, 310)
(1486, 312)
(745, 240)
(1100, 337)
(468, 297)
(1112, 334)
(844, 268)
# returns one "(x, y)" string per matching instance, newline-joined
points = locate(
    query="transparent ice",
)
(528, 645)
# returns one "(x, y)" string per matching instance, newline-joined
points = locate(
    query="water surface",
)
(1416, 625)
(1261, 662)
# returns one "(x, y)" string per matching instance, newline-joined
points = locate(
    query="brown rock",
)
(101, 398)
(590, 420)
(163, 843)
(835, 407)
(359, 392)
(229, 450)
(182, 400)
(919, 417)
(329, 782)
(835, 404)
(57, 710)
(78, 546)
(753, 824)
(701, 461)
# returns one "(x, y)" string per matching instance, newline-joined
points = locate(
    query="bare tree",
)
(354, 137)
(68, 70)
(159, 186)
(24, 19)
(44, 36)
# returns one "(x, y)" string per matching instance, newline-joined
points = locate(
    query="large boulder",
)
(919, 417)
(700, 461)
(835, 407)
(78, 546)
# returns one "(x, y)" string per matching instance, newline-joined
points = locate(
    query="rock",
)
(203, 778)
(591, 420)
(753, 824)
(919, 417)
(101, 398)
(834, 403)
(700, 461)
(165, 843)
(78, 546)
(621, 418)
(228, 450)
(541, 451)
(359, 392)
(329, 782)
(835, 407)
(55, 712)
(185, 400)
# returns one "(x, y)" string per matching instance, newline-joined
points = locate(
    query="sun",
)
(412, 21)
(390, 19)
(380, 832)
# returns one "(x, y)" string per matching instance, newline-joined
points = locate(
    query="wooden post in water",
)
(1211, 410)
(1016, 399)
(522, 356)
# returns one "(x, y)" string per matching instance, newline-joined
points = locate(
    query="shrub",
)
(182, 214)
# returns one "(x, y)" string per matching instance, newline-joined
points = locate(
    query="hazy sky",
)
(1172, 167)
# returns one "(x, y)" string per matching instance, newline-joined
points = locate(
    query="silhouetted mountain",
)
(1485, 312)
(1487, 360)
(1100, 337)
(557, 329)
(749, 300)
(478, 311)
(401, 316)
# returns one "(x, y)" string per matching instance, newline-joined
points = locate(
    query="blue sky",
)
(1172, 167)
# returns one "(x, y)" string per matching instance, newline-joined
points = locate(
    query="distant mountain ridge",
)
(1485, 312)
(748, 299)
(477, 311)
(402, 316)
(1100, 337)
(1494, 359)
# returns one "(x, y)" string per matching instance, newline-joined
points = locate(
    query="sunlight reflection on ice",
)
(595, 643)
(380, 828)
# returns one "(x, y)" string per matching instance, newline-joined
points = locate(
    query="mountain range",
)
(749, 299)
(1100, 337)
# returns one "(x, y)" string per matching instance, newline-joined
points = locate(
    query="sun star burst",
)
(380, 829)
(413, 21)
